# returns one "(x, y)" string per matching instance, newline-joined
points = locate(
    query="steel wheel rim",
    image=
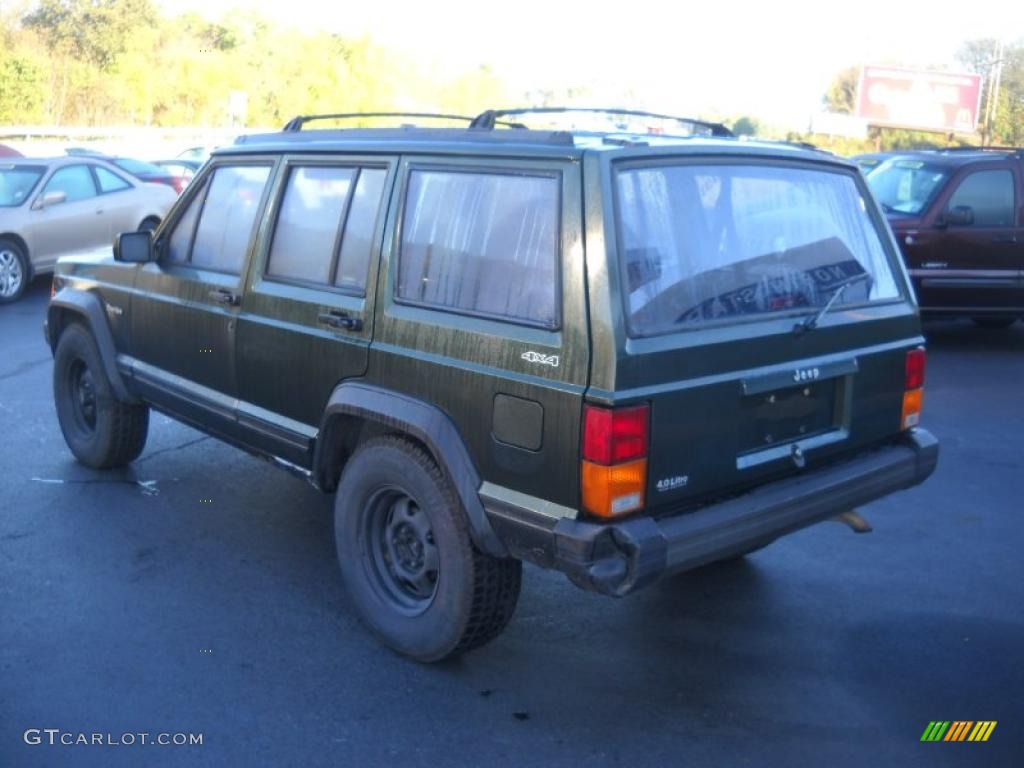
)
(402, 556)
(11, 274)
(83, 395)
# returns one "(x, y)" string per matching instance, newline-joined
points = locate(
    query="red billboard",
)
(909, 98)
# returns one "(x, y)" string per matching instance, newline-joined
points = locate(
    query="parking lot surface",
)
(197, 592)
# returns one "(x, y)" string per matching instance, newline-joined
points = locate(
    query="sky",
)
(773, 59)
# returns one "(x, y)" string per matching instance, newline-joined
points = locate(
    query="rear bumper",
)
(618, 558)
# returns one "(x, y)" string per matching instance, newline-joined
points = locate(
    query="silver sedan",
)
(50, 207)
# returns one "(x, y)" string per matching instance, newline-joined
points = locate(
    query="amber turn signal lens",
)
(911, 408)
(613, 491)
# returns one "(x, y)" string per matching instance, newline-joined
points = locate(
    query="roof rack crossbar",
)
(986, 148)
(486, 120)
(296, 123)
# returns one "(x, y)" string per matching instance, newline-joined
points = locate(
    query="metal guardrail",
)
(133, 132)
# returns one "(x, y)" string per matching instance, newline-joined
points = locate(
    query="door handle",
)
(340, 320)
(1004, 239)
(224, 296)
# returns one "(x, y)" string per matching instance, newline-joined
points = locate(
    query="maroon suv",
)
(958, 215)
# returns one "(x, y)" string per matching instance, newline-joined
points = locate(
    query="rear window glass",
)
(482, 243)
(728, 243)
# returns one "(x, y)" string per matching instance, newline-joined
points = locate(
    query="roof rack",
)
(486, 120)
(296, 123)
(1011, 150)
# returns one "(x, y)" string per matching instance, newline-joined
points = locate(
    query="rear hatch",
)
(766, 319)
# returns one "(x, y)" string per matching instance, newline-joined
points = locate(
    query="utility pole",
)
(992, 105)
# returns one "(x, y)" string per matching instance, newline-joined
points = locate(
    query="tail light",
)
(179, 183)
(913, 387)
(614, 468)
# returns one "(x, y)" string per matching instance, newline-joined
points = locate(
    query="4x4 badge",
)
(537, 357)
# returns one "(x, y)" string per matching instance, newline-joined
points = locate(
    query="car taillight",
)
(179, 183)
(915, 369)
(614, 468)
(913, 386)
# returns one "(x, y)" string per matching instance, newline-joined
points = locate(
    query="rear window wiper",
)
(810, 322)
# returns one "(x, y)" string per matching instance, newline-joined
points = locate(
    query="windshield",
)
(17, 183)
(903, 185)
(137, 167)
(727, 243)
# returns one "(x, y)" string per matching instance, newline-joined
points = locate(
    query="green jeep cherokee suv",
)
(618, 355)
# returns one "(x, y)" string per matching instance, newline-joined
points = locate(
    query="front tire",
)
(100, 430)
(407, 559)
(14, 271)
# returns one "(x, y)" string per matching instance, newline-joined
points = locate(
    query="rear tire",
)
(100, 430)
(407, 559)
(15, 272)
(994, 323)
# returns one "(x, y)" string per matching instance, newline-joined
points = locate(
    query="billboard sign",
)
(928, 101)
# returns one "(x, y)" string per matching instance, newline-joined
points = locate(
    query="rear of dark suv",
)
(958, 216)
(620, 356)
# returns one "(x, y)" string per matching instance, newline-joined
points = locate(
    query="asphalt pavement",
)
(197, 593)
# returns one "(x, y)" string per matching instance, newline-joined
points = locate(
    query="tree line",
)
(109, 62)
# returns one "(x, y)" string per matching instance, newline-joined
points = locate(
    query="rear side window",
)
(703, 243)
(227, 218)
(110, 181)
(319, 203)
(482, 243)
(989, 195)
(308, 224)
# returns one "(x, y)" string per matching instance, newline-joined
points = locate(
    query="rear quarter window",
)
(482, 243)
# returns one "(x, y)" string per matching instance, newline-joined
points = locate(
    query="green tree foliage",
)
(980, 56)
(746, 126)
(122, 62)
(842, 93)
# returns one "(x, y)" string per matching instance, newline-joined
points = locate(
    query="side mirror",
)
(50, 198)
(133, 247)
(958, 216)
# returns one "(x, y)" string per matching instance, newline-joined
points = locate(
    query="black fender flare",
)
(87, 307)
(429, 425)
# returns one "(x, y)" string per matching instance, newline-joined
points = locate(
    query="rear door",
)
(718, 266)
(981, 260)
(307, 315)
(185, 309)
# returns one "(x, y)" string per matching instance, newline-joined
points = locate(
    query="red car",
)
(6, 151)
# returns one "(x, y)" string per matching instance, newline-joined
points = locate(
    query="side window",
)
(360, 224)
(181, 237)
(483, 243)
(989, 194)
(74, 181)
(318, 202)
(307, 226)
(229, 213)
(110, 181)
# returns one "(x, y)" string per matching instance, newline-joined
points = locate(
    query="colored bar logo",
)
(958, 730)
